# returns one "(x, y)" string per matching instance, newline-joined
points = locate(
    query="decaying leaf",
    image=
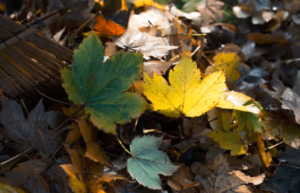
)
(100, 86)
(31, 131)
(210, 11)
(286, 178)
(216, 176)
(290, 100)
(94, 150)
(182, 179)
(134, 40)
(28, 176)
(147, 162)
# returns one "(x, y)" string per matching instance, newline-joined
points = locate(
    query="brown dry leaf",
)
(193, 126)
(73, 135)
(182, 179)
(211, 11)
(75, 12)
(94, 150)
(247, 179)
(31, 131)
(216, 176)
(158, 67)
(25, 173)
(262, 39)
(158, 18)
(134, 40)
(110, 49)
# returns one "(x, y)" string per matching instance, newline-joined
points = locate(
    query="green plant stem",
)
(120, 142)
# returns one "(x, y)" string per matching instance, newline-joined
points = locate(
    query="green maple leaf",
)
(248, 120)
(229, 140)
(101, 85)
(147, 162)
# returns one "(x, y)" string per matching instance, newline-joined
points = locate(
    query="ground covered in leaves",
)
(162, 96)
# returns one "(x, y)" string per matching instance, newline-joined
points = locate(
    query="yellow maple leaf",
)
(141, 3)
(186, 95)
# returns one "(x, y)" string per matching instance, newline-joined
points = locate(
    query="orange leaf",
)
(94, 150)
(107, 28)
(261, 147)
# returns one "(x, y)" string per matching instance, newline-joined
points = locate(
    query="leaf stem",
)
(120, 142)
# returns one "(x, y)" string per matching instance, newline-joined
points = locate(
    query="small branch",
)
(290, 60)
(62, 102)
(158, 131)
(16, 156)
(120, 142)
(275, 145)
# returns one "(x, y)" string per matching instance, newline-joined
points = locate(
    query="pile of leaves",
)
(162, 96)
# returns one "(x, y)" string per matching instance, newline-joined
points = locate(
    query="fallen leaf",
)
(94, 151)
(187, 95)
(158, 67)
(229, 140)
(6, 188)
(147, 161)
(290, 100)
(141, 3)
(28, 176)
(75, 184)
(262, 152)
(248, 121)
(216, 176)
(210, 10)
(229, 62)
(101, 85)
(262, 39)
(286, 178)
(108, 28)
(134, 40)
(75, 12)
(31, 131)
(182, 179)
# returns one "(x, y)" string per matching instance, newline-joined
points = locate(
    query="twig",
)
(158, 131)
(275, 145)
(120, 142)
(16, 156)
(62, 102)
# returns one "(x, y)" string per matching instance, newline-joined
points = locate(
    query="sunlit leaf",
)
(262, 152)
(101, 85)
(229, 62)
(107, 27)
(187, 95)
(147, 162)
